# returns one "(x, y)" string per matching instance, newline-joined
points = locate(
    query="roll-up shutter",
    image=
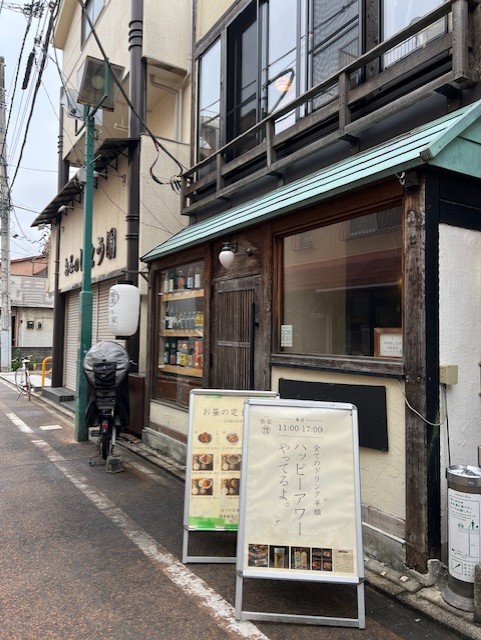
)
(101, 329)
(72, 336)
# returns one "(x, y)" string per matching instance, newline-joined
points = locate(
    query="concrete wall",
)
(460, 344)
(208, 13)
(167, 34)
(42, 332)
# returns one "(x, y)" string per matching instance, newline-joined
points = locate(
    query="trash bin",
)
(464, 514)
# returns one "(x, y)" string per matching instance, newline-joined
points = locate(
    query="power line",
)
(16, 77)
(37, 86)
(175, 180)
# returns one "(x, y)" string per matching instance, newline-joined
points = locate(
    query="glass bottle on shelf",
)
(167, 320)
(165, 282)
(173, 317)
(197, 278)
(199, 320)
(171, 280)
(180, 279)
(167, 352)
(190, 278)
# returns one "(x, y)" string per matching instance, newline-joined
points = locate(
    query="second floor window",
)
(270, 60)
(92, 9)
(276, 50)
(398, 14)
(208, 125)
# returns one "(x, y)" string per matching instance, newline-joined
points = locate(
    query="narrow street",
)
(87, 554)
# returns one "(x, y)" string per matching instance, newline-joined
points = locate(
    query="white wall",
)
(42, 332)
(208, 13)
(460, 344)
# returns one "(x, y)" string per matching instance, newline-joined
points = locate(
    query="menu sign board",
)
(300, 515)
(214, 458)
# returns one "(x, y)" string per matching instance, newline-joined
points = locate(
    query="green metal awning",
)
(452, 142)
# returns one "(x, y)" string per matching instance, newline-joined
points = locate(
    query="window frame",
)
(93, 8)
(341, 210)
(257, 12)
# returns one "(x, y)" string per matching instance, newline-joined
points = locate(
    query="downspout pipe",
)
(58, 299)
(137, 98)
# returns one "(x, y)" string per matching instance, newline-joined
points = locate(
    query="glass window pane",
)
(398, 14)
(180, 332)
(340, 282)
(93, 9)
(335, 40)
(247, 107)
(209, 102)
(279, 76)
(242, 78)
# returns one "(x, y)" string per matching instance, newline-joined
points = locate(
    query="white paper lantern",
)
(124, 308)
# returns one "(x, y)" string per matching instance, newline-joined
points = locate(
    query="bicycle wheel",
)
(28, 384)
(21, 381)
(104, 444)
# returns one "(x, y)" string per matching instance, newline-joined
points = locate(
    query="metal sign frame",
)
(215, 432)
(300, 501)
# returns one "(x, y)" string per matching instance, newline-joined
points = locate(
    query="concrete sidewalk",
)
(421, 593)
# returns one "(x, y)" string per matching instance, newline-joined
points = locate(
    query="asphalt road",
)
(90, 555)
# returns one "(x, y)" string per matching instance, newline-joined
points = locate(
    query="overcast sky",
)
(36, 181)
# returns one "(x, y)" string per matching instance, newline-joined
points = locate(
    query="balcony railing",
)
(380, 90)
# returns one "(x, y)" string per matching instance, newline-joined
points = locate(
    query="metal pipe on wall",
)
(58, 298)
(137, 98)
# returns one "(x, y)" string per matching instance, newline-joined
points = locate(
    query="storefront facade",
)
(337, 203)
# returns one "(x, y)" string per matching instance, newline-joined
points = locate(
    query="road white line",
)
(19, 423)
(178, 573)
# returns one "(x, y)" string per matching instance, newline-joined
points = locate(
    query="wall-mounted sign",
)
(106, 248)
(286, 335)
(300, 511)
(388, 342)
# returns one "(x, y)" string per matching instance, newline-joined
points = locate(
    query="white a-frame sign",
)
(300, 503)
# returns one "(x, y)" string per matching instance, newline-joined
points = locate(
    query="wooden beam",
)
(414, 340)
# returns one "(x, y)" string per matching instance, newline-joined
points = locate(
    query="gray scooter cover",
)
(107, 351)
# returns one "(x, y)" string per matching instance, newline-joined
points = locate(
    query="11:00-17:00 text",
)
(300, 428)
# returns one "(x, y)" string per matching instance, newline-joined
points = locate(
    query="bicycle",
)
(106, 366)
(22, 379)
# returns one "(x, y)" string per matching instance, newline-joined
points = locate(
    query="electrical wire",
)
(21, 113)
(432, 424)
(159, 223)
(16, 78)
(51, 21)
(175, 180)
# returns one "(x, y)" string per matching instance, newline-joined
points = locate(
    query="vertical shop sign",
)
(300, 511)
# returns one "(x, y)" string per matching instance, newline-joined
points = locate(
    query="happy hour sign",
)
(300, 511)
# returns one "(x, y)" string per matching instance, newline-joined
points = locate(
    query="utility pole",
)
(5, 319)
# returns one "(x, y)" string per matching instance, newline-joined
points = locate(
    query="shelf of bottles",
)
(181, 332)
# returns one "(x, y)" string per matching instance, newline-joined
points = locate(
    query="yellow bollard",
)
(44, 368)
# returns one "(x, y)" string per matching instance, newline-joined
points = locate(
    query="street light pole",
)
(86, 297)
(5, 319)
(94, 94)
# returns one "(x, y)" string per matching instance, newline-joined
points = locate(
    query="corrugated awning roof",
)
(451, 142)
(106, 153)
